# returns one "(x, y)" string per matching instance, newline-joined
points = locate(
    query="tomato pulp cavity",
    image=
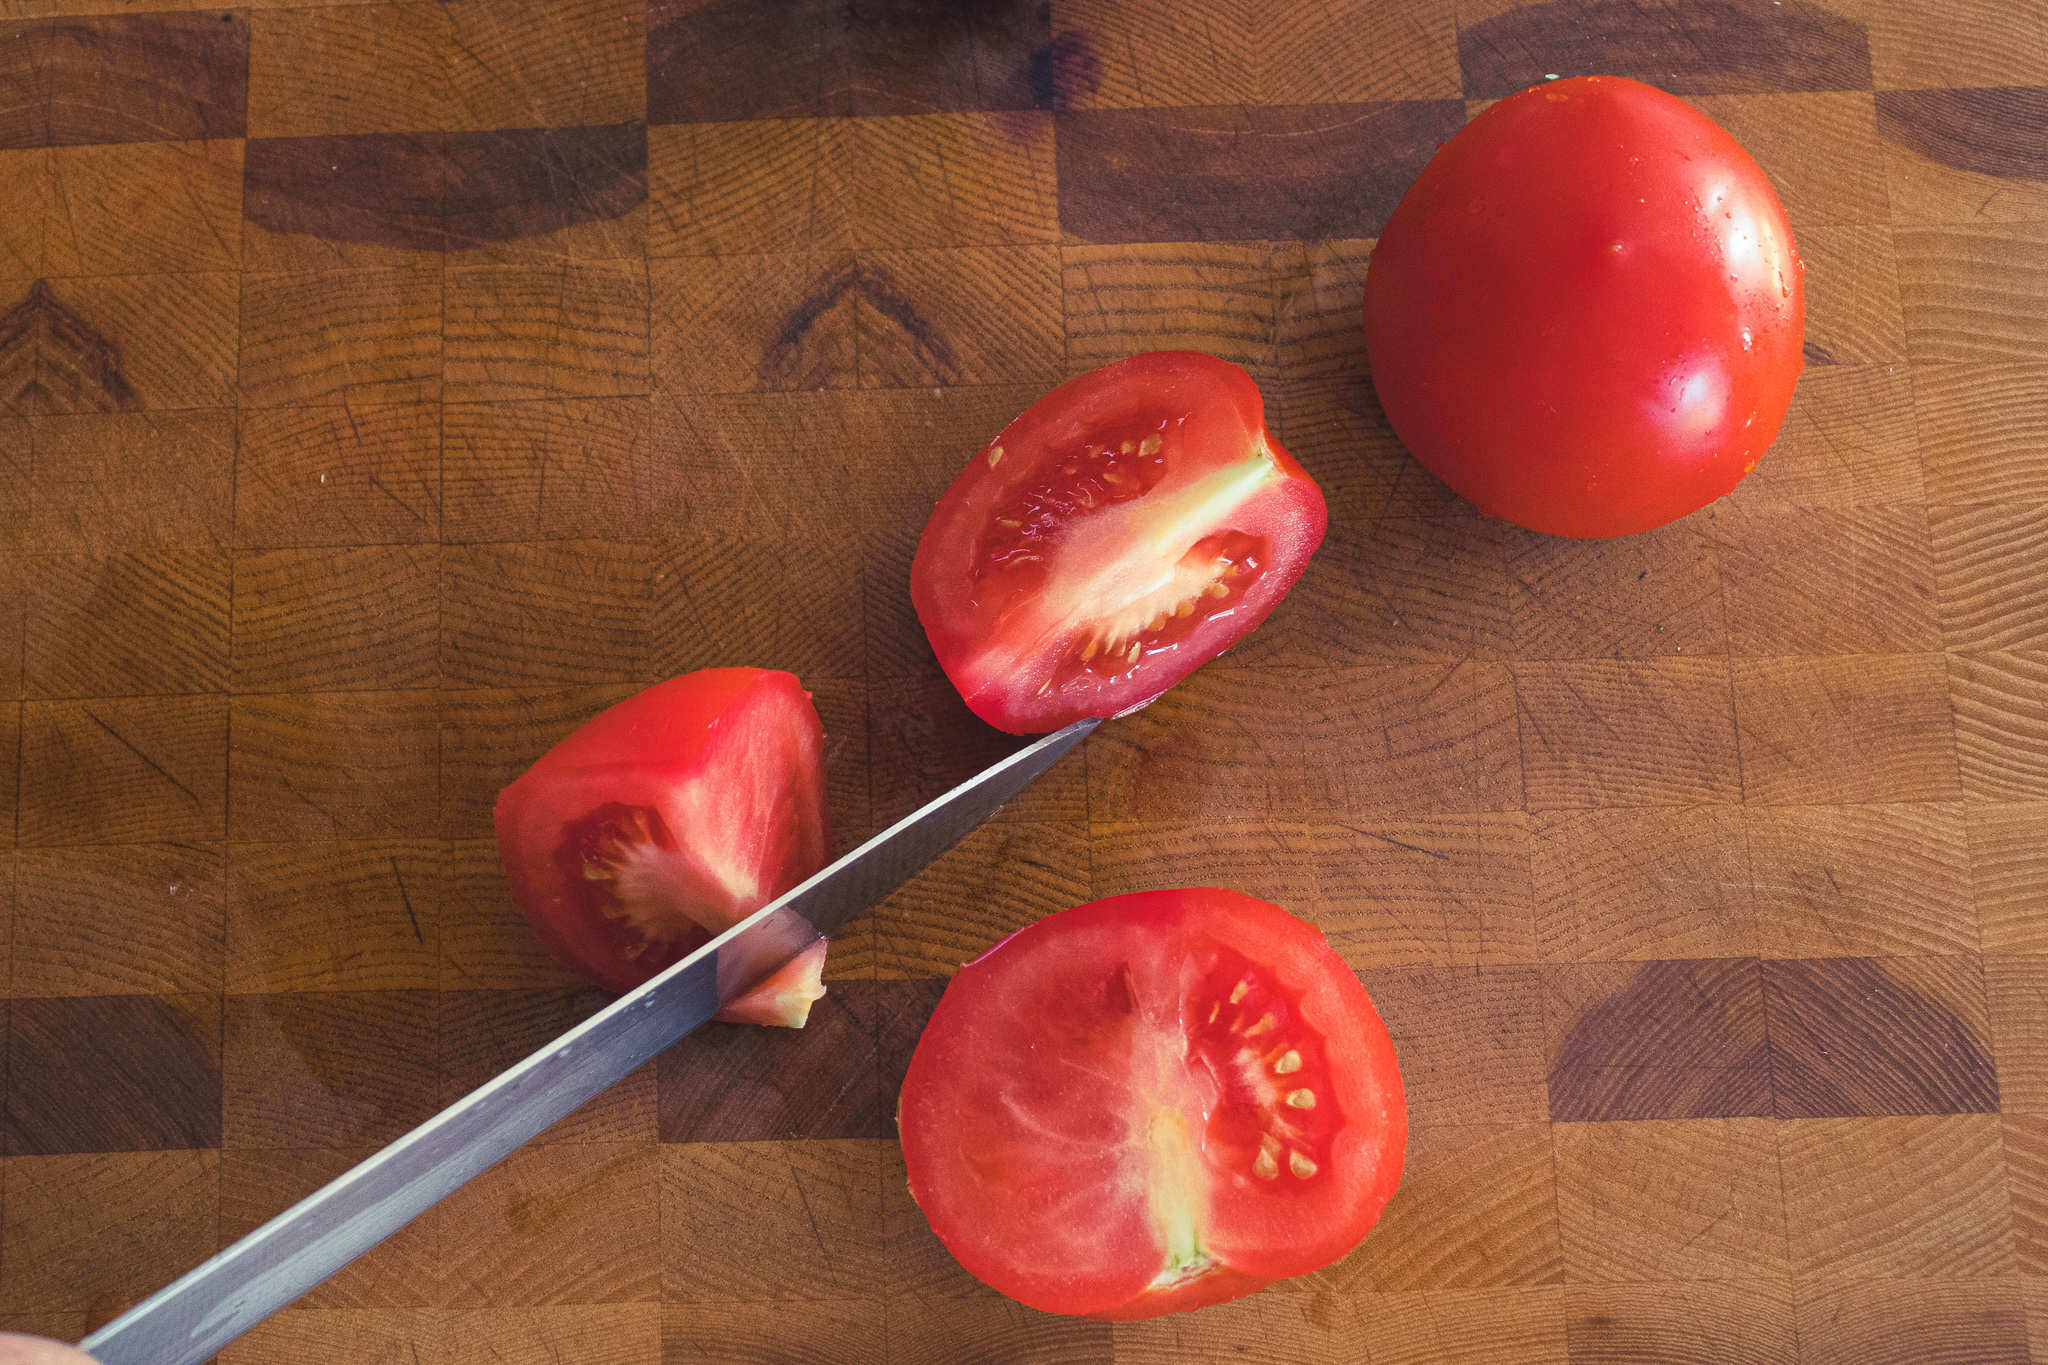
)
(1587, 315)
(1152, 1103)
(1129, 527)
(669, 818)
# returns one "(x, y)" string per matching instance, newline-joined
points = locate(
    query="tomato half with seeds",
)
(1152, 1103)
(669, 818)
(1129, 527)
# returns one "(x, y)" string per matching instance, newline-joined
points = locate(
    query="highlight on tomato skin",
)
(667, 819)
(1124, 530)
(1153, 1103)
(1587, 315)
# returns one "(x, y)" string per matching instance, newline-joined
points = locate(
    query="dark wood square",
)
(119, 1073)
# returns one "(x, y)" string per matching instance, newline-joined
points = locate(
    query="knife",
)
(203, 1311)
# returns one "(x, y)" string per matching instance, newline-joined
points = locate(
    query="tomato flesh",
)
(1587, 315)
(1126, 529)
(1152, 1103)
(669, 818)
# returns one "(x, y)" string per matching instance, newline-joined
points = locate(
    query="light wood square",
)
(2001, 721)
(1642, 885)
(1870, 729)
(1848, 440)
(1387, 893)
(1982, 428)
(118, 920)
(558, 1224)
(1861, 881)
(342, 337)
(120, 483)
(96, 1232)
(335, 618)
(123, 770)
(1619, 733)
(1696, 1200)
(763, 1221)
(347, 915)
(2008, 864)
(1974, 294)
(1887, 1197)
(359, 475)
(764, 186)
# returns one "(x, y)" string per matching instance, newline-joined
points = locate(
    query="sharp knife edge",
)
(224, 1297)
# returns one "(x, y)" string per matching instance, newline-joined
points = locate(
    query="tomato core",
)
(623, 864)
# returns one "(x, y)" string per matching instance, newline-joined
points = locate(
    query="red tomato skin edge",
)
(1438, 352)
(1291, 514)
(658, 724)
(1375, 1141)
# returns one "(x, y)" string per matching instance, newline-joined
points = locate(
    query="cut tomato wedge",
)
(669, 818)
(1152, 1103)
(1126, 529)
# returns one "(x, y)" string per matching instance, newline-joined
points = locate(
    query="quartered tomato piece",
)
(1152, 1103)
(1128, 528)
(669, 818)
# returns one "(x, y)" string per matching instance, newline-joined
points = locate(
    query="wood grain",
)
(122, 1073)
(333, 914)
(142, 1211)
(1669, 1039)
(1703, 49)
(1887, 1321)
(121, 483)
(118, 920)
(386, 388)
(1711, 1322)
(1927, 1195)
(1711, 1188)
(326, 1069)
(1477, 1209)
(103, 78)
(407, 66)
(2007, 844)
(1385, 892)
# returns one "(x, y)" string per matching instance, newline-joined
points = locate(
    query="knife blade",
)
(224, 1297)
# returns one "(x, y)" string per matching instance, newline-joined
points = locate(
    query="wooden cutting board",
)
(384, 388)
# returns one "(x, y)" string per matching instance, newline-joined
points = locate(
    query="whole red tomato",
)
(1586, 316)
(1151, 1103)
(1129, 527)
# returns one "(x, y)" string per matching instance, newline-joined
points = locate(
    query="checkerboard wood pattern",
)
(386, 387)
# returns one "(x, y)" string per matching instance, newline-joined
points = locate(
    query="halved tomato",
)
(1128, 528)
(1152, 1103)
(669, 818)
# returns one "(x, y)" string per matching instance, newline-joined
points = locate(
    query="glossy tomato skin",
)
(666, 818)
(1127, 528)
(1152, 1103)
(1587, 315)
